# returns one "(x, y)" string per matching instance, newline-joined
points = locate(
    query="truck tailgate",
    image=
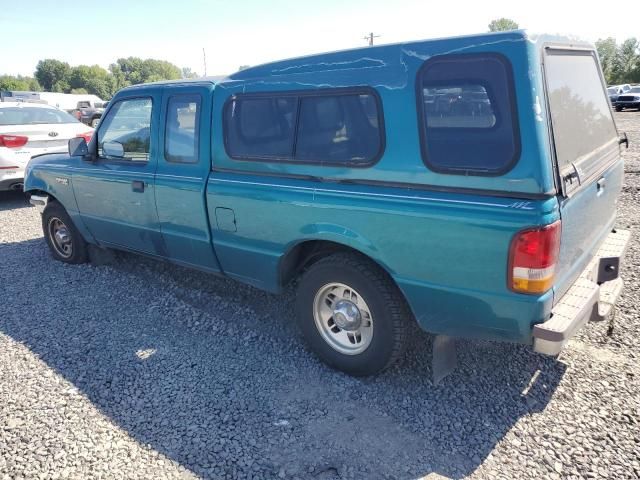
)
(587, 152)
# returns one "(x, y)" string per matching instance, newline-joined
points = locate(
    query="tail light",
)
(13, 141)
(533, 257)
(87, 136)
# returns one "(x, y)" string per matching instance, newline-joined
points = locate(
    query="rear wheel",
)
(618, 109)
(352, 315)
(64, 240)
(95, 122)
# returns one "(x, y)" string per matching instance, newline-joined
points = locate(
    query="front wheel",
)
(618, 109)
(352, 315)
(64, 240)
(94, 123)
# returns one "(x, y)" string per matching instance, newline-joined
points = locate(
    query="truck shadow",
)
(215, 376)
(13, 200)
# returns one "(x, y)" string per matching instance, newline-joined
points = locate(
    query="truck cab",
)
(468, 185)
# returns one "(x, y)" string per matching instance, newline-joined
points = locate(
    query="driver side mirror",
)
(78, 147)
(113, 149)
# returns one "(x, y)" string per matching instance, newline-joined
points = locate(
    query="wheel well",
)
(304, 254)
(42, 192)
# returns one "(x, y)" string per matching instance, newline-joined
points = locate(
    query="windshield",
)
(634, 90)
(33, 116)
(612, 90)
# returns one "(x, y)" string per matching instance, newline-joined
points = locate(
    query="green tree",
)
(629, 55)
(34, 86)
(134, 70)
(94, 79)
(609, 58)
(188, 73)
(10, 82)
(53, 75)
(502, 24)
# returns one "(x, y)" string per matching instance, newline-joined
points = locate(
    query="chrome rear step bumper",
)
(591, 297)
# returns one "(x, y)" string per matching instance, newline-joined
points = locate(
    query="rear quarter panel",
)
(447, 253)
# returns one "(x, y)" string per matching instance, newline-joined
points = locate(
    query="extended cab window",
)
(467, 112)
(328, 127)
(182, 129)
(338, 129)
(125, 133)
(260, 127)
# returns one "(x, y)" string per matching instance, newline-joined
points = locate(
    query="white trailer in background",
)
(64, 101)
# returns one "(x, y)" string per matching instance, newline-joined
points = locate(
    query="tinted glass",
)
(182, 133)
(33, 116)
(261, 127)
(128, 123)
(467, 105)
(338, 129)
(579, 107)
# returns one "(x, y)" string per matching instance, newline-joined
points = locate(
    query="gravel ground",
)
(138, 369)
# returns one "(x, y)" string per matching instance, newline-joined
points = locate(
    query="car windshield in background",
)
(634, 90)
(612, 90)
(33, 116)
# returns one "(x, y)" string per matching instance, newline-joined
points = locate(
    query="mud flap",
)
(445, 358)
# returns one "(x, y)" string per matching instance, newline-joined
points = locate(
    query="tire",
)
(382, 315)
(94, 122)
(618, 109)
(68, 245)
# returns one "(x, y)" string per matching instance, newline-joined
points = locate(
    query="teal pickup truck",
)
(466, 184)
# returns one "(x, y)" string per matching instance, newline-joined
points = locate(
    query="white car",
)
(28, 129)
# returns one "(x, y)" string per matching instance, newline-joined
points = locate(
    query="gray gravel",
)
(138, 369)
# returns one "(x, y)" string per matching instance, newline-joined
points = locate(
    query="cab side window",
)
(182, 130)
(125, 133)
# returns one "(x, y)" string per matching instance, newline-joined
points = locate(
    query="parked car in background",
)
(28, 129)
(89, 112)
(393, 185)
(629, 99)
(613, 93)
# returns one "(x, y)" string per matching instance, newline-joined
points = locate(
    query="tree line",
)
(620, 63)
(53, 75)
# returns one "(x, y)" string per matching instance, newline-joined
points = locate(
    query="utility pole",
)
(370, 38)
(204, 58)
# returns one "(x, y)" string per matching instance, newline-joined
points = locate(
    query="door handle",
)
(137, 186)
(600, 184)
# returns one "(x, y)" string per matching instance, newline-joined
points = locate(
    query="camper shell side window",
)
(467, 114)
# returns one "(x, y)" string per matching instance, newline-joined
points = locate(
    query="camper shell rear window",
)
(467, 114)
(580, 112)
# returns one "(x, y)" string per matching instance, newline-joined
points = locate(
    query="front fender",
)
(52, 175)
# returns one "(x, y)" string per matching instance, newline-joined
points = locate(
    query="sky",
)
(250, 32)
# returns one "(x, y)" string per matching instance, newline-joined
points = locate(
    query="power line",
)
(370, 38)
